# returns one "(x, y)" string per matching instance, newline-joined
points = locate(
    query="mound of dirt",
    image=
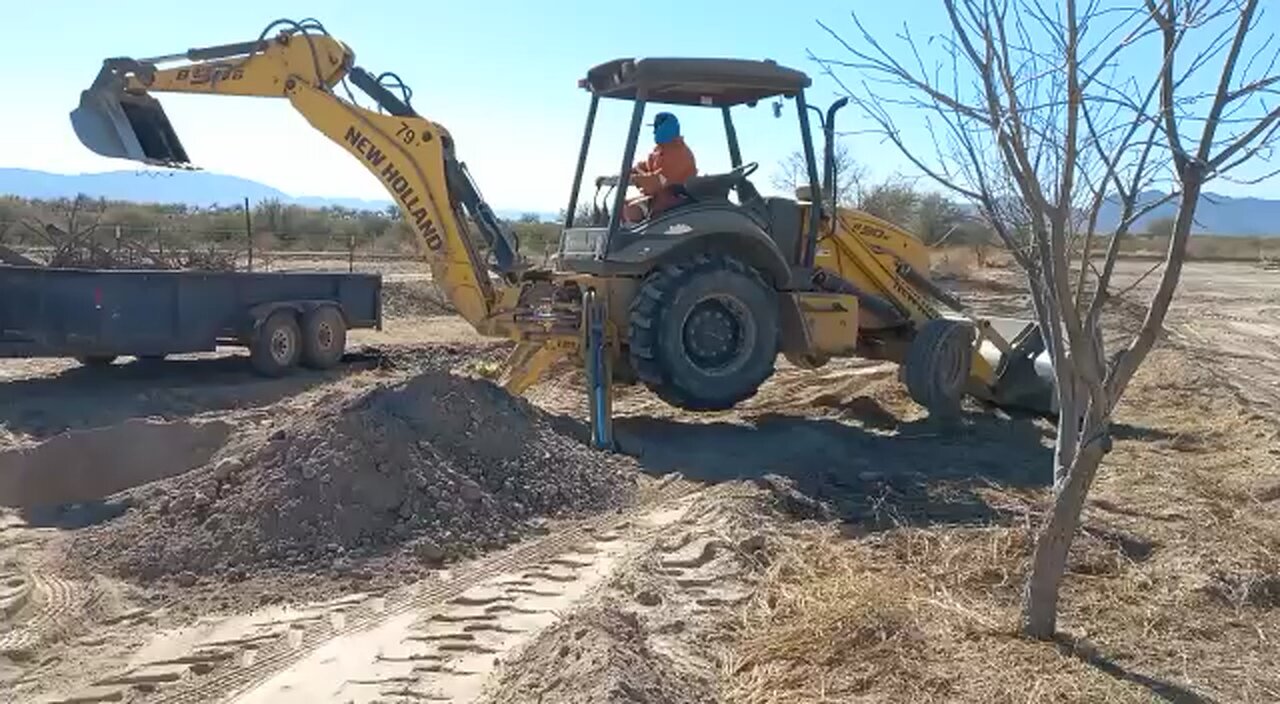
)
(600, 656)
(404, 299)
(440, 465)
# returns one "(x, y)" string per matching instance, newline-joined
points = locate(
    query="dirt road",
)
(1228, 315)
(1225, 314)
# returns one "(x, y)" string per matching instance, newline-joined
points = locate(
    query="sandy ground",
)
(645, 603)
(1229, 315)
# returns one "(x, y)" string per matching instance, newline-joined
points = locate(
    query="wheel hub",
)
(714, 334)
(324, 336)
(281, 345)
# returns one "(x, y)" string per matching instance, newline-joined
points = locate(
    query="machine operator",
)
(670, 164)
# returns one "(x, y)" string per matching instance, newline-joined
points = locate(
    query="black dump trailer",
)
(286, 319)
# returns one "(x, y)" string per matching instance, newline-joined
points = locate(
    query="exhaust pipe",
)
(116, 123)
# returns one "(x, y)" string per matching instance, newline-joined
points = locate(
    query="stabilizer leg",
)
(599, 371)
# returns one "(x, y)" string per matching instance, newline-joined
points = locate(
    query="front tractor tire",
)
(704, 332)
(937, 367)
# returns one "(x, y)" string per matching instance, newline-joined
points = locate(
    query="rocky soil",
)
(441, 465)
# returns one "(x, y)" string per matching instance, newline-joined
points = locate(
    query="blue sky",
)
(500, 75)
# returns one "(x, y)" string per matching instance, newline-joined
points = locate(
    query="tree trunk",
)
(1049, 562)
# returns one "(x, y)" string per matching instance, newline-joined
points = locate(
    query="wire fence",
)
(122, 245)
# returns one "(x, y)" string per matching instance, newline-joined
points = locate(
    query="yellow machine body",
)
(880, 269)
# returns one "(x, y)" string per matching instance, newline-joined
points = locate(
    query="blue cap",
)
(665, 127)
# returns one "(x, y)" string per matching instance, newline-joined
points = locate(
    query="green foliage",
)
(276, 226)
(12, 212)
(895, 201)
(936, 218)
(584, 216)
(1161, 227)
(537, 238)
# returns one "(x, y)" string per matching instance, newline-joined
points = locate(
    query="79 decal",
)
(407, 134)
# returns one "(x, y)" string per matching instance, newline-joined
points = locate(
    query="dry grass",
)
(955, 262)
(1207, 247)
(963, 261)
(1172, 593)
(912, 616)
(960, 261)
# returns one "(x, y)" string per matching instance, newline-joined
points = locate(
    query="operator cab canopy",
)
(704, 82)
(605, 242)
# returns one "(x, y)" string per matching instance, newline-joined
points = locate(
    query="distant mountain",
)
(1215, 215)
(191, 187)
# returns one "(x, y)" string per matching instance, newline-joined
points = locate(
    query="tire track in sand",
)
(441, 649)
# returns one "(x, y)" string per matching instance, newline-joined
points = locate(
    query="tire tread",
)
(645, 317)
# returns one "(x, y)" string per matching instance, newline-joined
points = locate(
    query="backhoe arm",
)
(412, 157)
(259, 68)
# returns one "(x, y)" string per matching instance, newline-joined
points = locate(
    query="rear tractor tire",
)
(277, 345)
(324, 337)
(704, 332)
(936, 370)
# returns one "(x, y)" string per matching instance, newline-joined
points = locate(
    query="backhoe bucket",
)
(115, 123)
(1024, 379)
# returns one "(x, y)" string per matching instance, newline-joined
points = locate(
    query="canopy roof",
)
(694, 81)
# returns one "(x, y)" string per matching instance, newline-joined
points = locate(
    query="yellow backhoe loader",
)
(696, 302)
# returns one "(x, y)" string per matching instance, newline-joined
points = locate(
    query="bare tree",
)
(850, 175)
(1042, 111)
(70, 233)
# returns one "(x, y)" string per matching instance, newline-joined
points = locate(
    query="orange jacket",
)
(668, 165)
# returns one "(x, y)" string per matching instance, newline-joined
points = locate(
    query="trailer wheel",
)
(277, 345)
(96, 361)
(324, 337)
(938, 364)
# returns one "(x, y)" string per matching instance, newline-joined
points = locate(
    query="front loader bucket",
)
(1024, 379)
(123, 125)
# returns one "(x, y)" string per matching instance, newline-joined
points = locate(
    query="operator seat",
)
(780, 217)
(708, 187)
(718, 187)
(711, 187)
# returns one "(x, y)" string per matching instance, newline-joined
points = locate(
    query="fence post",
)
(248, 231)
(351, 253)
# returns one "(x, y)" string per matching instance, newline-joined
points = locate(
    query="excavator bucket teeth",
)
(1024, 379)
(115, 123)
